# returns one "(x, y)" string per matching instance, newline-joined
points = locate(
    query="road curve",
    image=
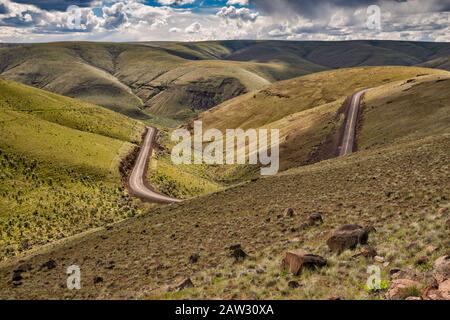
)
(137, 184)
(348, 140)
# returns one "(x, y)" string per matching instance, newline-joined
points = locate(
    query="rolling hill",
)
(309, 113)
(305, 109)
(395, 183)
(178, 80)
(59, 161)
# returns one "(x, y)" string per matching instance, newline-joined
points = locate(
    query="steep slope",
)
(305, 109)
(59, 161)
(405, 111)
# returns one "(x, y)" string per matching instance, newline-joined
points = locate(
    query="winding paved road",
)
(137, 184)
(348, 140)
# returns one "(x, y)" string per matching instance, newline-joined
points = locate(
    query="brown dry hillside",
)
(305, 109)
(309, 112)
(398, 189)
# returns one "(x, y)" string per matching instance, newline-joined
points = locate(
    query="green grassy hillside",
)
(59, 164)
(76, 70)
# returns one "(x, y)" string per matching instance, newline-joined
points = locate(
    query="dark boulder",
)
(348, 237)
(296, 260)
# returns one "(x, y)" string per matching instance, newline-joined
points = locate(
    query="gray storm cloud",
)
(58, 5)
(316, 8)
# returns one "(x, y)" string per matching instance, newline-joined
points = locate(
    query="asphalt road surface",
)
(137, 184)
(348, 140)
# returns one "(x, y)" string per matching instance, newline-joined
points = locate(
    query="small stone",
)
(289, 212)
(304, 226)
(293, 284)
(194, 258)
(17, 276)
(24, 267)
(379, 259)
(403, 288)
(367, 252)
(185, 284)
(98, 279)
(237, 253)
(430, 249)
(315, 219)
(49, 265)
(422, 260)
(443, 211)
(394, 271)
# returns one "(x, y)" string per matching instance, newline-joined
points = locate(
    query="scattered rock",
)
(348, 237)
(439, 291)
(296, 260)
(289, 212)
(444, 289)
(412, 246)
(186, 283)
(304, 226)
(403, 288)
(315, 219)
(413, 298)
(379, 259)
(443, 211)
(111, 265)
(17, 273)
(430, 249)
(394, 271)
(367, 252)
(17, 276)
(293, 284)
(237, 253)
(49, 265)
(24, 267)
(422, 260)
(441, 269)
(194, 258)
(98, 279)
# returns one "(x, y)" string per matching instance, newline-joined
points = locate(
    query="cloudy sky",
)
(191, 20)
